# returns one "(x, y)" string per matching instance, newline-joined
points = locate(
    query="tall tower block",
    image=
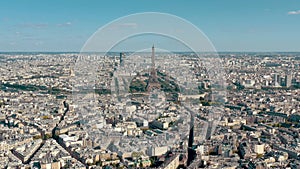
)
(121, 59)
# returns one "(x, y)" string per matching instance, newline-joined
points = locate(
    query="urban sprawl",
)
(149, 110)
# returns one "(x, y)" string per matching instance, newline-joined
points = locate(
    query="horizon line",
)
(1, 52)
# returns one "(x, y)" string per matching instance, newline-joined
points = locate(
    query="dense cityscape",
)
(149, 84)
(149, 110)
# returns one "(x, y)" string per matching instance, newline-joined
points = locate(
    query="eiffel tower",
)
(153, 81)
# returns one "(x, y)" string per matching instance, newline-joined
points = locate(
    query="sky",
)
(231, 25)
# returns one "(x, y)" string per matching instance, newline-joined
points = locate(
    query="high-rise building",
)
(276, 79)
(288, 80)
(121, 59)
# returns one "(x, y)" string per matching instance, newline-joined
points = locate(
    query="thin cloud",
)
(64, 24)
(33, 25)
(294, 12)
(31, 38)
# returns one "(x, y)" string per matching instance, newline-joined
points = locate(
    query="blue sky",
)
(231, 25)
